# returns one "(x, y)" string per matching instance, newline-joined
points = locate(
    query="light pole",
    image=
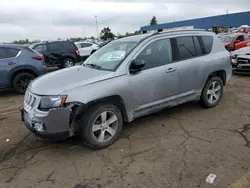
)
(97, 33)
(83, 33)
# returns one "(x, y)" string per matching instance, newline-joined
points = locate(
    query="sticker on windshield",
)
(116, 55)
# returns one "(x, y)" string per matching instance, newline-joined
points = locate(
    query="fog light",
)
(38, 126)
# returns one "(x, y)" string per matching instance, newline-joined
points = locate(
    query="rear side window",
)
(3, 53)
(246, 37)
(186, 47)
(207, 44)
(13, 52)
(55, 46)
(198, 48)
(69, 46)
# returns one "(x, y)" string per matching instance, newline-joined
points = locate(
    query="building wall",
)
(224, 21)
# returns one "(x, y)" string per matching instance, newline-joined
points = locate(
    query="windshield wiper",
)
(94, 66)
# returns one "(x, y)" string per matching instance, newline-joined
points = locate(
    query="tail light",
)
(231, 58)
(77, 52)
(38, 58)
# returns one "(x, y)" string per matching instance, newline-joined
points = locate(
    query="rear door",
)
(188, 62)
(54, 53)
(8, 60)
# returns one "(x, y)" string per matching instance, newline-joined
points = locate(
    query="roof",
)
(12, 45)
(226, 21)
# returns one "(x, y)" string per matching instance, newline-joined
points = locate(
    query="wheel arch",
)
(14, 74)
(80, 108)
(221, 74)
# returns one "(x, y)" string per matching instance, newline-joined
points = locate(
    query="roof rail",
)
(178, 30)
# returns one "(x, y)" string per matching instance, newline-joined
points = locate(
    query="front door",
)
(158, 80)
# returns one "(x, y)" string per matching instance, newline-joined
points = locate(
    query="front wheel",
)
(21, 81)
(212, 92)
(101, 125)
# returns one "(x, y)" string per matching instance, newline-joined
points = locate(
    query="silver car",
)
(126, 79)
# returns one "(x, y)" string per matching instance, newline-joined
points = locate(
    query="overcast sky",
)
(50, 19)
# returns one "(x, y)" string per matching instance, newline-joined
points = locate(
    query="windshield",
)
(226, 38)
(110, 56)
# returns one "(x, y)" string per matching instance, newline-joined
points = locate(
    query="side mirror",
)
(237, 41)
(136, 65)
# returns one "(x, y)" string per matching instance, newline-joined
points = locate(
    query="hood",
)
(227, 43)
(60, 81)
(242, 51)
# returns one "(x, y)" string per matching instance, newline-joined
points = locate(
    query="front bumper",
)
(241, 68)
(55, 122)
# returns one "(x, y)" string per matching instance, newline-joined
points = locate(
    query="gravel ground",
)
(175, 148)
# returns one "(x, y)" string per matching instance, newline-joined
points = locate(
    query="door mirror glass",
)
(136, 65)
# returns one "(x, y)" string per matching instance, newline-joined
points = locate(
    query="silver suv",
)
(126, 79)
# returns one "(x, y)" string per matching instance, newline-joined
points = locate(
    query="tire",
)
(68, 62)
(92, 135)
(21, 81)
(93, 52)
(213, 89)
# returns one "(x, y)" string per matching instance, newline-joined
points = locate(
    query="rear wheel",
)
(212, 92)
(101, 125)
(68, 62)
(21, 81)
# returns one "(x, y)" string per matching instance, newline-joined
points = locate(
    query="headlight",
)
(48, 102)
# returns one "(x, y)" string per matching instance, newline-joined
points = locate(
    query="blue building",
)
(223, 21)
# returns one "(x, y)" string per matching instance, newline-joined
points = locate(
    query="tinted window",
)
(157, 53)
(207, 43)
(198, 49)
(85, 45)
(69, 46)
(12, 52)
(54, 46)
(186, 47)
(40, 48)
(3, 53)
(241, 38)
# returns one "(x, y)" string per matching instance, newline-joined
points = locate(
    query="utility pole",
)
(97, 33)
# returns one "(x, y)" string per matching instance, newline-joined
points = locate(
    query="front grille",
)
(29, 100)
(243, 60)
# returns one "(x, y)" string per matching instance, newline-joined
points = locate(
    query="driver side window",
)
(156, 54)
(240, 38)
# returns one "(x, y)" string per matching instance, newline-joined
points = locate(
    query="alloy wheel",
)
(105, 126)
(214, 92)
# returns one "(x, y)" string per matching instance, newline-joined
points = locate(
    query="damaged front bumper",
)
(53, 124)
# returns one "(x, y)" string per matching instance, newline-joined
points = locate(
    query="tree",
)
(153, 21)
(106, 34)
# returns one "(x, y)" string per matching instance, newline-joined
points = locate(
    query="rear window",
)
(69, 46)
(207, 44)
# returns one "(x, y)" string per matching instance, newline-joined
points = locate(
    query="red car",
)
(235, 41)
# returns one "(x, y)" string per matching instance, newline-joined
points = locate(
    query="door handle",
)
(170, 70)
(11, 63)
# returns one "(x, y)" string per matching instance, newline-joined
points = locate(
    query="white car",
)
(86, 48)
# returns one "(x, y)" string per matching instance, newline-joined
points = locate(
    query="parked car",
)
(241, 61)
(86, 48)
(235, 41)
(63, 54)
(124, 80)
(18, 66)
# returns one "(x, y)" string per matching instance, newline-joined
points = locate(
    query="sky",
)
(52, 19)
